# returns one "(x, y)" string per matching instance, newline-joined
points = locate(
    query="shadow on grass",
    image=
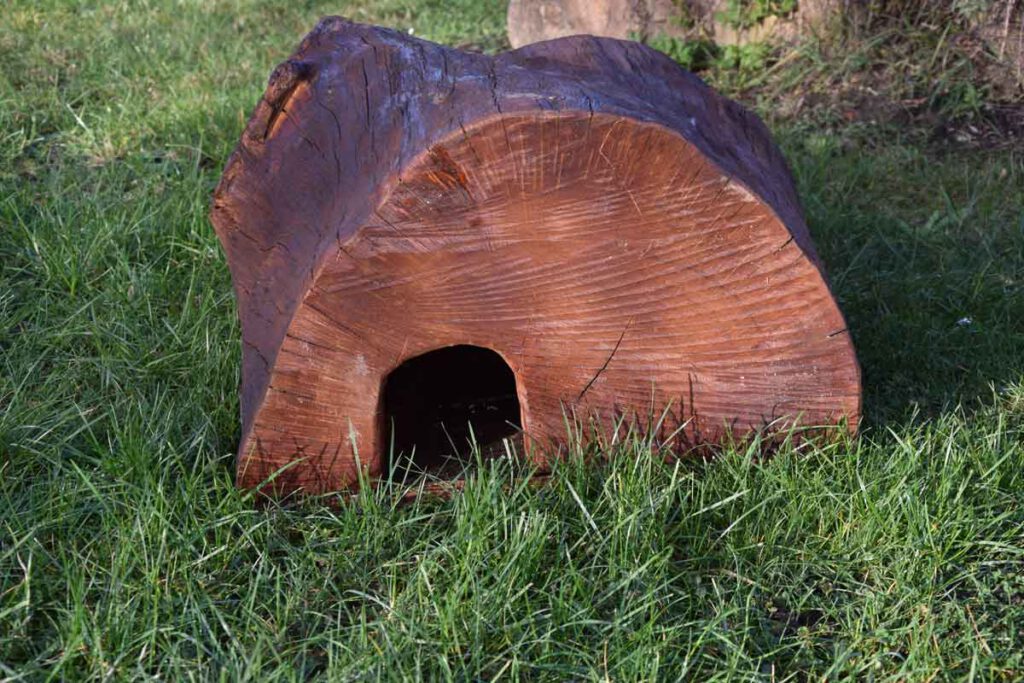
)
(926, 257)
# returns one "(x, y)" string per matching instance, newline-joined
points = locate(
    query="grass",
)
(126, 552)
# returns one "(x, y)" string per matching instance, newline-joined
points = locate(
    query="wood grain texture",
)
(625, 238)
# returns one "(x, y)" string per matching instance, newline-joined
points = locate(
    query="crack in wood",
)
(606, 362)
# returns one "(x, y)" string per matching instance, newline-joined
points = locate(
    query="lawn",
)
(126, 552)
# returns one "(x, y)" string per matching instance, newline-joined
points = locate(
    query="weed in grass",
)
(747, 13)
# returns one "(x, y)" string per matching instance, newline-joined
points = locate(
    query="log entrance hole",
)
(438, 404)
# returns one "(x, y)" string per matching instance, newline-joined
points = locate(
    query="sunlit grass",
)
(125, 550)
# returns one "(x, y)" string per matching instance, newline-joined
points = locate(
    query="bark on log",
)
(625, 238)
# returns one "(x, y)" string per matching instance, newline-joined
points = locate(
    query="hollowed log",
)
(438, 405)
(626, 241)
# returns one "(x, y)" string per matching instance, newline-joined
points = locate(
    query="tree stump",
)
(420, 236)
(530, 21)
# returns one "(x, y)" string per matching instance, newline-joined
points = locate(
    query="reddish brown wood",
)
(625, 238)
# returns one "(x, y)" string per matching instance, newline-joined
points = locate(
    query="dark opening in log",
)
(627, 240)
(438, 404)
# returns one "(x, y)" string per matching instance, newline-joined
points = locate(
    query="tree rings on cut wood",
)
(421, 237)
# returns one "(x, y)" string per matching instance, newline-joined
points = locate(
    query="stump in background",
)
(424, 237)
(530, 21)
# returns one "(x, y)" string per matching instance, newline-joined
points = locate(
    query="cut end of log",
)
(426, 238)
